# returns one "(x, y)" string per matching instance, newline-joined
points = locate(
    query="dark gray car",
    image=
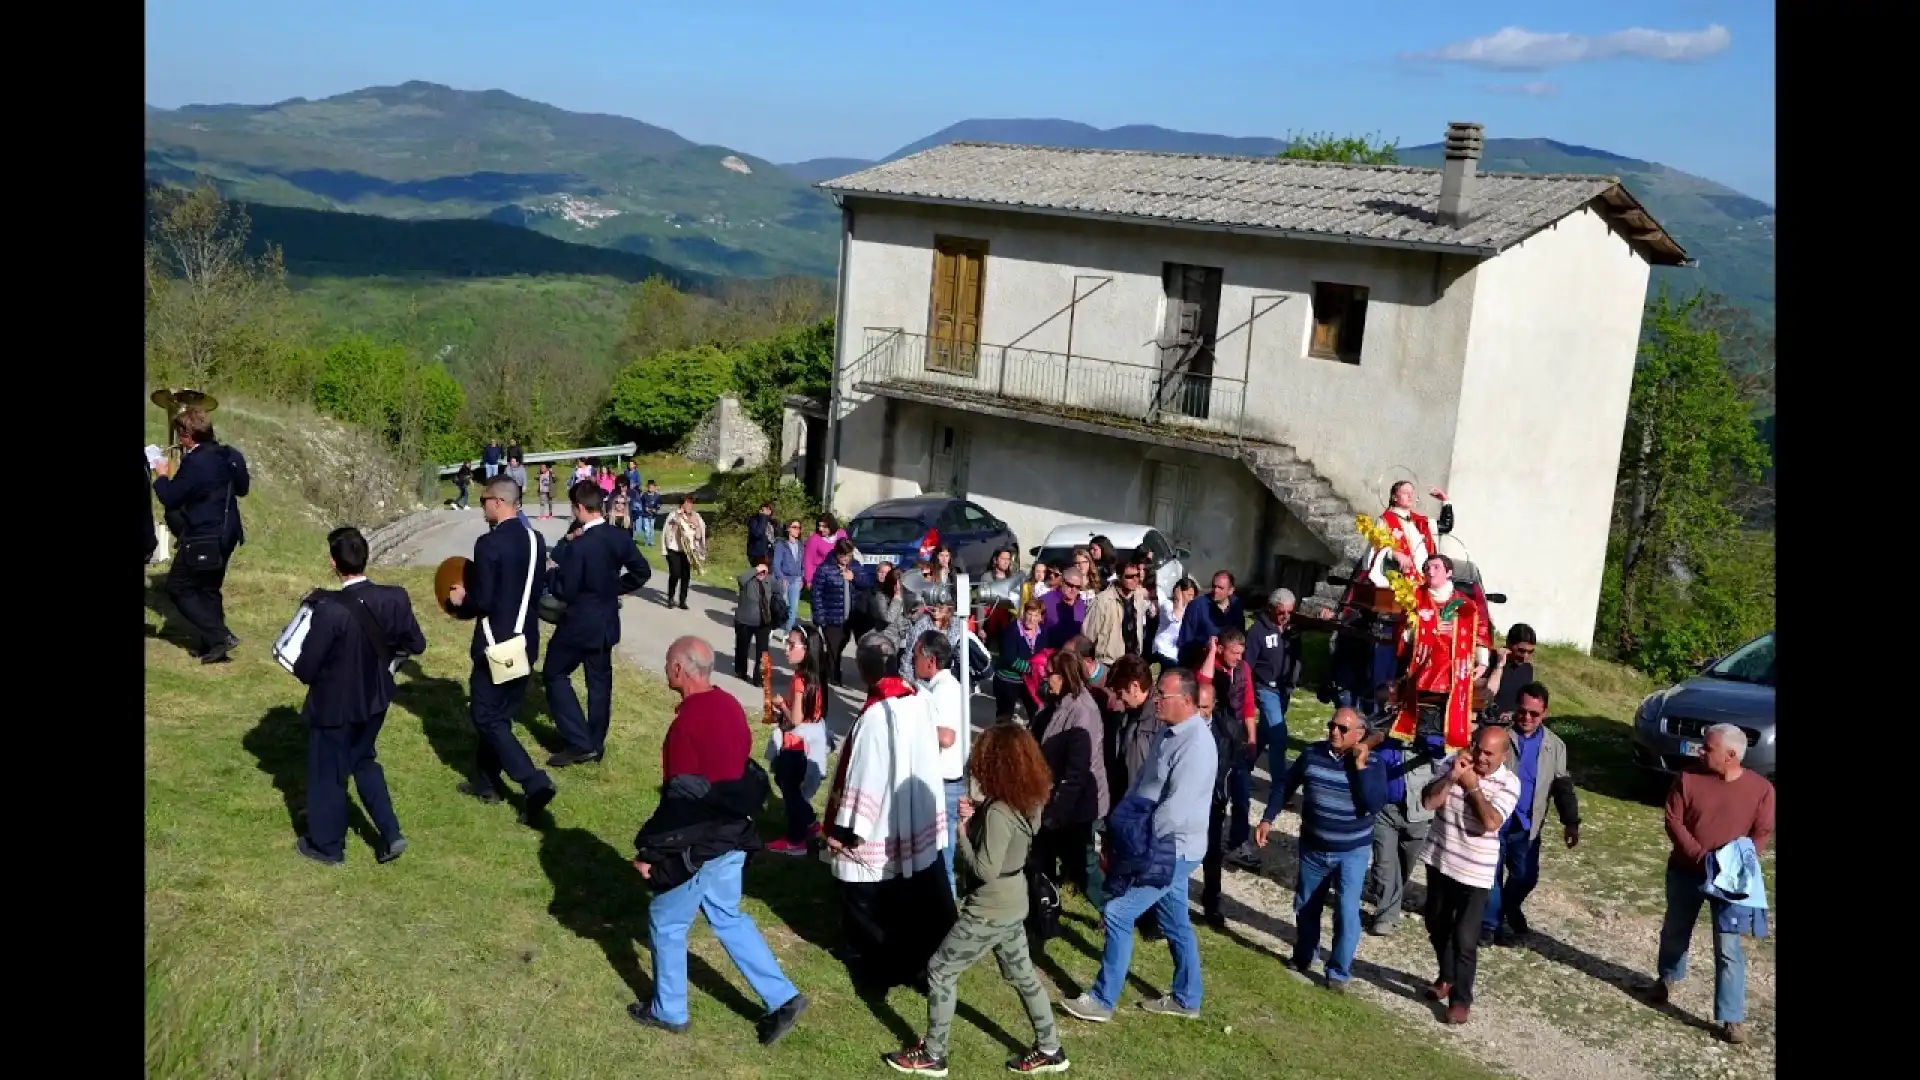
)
(1670, 726)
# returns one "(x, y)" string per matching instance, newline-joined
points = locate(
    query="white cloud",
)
(1532, 89)
(1517, 49)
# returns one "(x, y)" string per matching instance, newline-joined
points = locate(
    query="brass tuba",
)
(175, 402)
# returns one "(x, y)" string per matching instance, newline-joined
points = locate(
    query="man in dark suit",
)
(202, 504)
(347, 663)
(500, 592)
(588, 565)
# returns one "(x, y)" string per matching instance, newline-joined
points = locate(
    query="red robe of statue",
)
(1403, 531)
(1445, 642)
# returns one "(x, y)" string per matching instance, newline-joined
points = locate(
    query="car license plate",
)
(1689, 748)
(870, 560)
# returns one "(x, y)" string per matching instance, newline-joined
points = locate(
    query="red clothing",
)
(1706, 813)
(708, 736)
(1452, 633)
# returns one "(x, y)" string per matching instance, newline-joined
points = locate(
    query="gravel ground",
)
(1557, 1008)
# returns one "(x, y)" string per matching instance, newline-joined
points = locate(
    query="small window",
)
(950, 520)
(1339, 321)
(976, 517)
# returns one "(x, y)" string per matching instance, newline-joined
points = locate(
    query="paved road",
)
(647, 626)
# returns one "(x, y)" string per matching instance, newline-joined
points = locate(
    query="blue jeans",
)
(1520, 867)
(1345, 874)
(1170, 905)
(714, 889)
(955, 789)
(1273, 732)
(792, 589)
(1676, 937)
(644, 522)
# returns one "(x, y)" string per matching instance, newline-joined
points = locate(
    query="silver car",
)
(1670, 726)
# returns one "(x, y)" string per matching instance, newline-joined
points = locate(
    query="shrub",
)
(658, 400)
(738, 495)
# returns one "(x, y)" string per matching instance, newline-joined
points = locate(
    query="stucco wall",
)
(1403, 394)
(1556, 323)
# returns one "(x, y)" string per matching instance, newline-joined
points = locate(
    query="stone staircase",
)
(1311, 499)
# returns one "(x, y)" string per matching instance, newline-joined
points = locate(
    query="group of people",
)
(1100, 774)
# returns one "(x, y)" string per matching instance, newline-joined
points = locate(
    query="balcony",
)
(1109, 393)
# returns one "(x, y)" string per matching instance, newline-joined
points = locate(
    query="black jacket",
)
(760, 536)
(206, 491)
(346, 682)
(493, 585)
(587, 577)
(1273, 654)
(697, 822)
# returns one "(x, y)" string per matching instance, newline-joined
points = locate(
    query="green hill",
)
(421, 151)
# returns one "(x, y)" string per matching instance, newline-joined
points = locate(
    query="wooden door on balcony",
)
(953, 327)
(1186, 352)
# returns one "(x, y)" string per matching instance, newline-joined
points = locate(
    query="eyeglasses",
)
(1531, 714)
(1130, 577)
(1337, 726)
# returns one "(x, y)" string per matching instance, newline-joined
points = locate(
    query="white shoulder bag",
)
(507, 660)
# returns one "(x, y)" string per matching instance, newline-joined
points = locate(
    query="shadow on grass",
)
(174, 628)
(279, 744)
(599, 896)
(1390, 980)
(1624, 979)
(1600, 757)
(441, 705)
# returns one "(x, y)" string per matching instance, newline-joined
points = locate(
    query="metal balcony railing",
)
(1066, 385)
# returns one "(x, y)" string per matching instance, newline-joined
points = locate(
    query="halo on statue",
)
(1391, 477)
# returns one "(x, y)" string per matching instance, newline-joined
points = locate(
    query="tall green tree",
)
(1674, 590)
(1348, 149)
(795, 362)
(659, 399)
(212, 309)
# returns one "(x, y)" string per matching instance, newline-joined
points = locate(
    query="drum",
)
(451, 572)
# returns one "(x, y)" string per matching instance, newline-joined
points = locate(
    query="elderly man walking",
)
(1540, 761)
(1719, 821)
(694, 847)
(1472, 799)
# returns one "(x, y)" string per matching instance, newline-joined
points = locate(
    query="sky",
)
(1688, 83)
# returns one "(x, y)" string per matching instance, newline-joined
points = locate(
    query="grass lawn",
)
(495, 950)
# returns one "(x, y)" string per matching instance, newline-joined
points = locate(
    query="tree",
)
(1348, 149)
(660, 399)
(211, 308)
(1689, 443)
(796, 362)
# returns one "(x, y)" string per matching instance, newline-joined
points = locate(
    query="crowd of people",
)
(1121, 761)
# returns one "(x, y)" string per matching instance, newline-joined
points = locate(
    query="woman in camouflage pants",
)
(991, 855)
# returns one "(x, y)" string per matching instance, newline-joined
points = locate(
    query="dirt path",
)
(1558, 1008)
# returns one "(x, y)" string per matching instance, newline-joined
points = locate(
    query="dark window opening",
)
(1339, 321)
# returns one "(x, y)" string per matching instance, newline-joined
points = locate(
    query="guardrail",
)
(623, 450)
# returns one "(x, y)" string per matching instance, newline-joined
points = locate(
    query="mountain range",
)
(425, 152)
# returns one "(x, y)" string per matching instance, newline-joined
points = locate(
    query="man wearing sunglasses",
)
(1512, 668)
(1539, 758)
(1120, 616)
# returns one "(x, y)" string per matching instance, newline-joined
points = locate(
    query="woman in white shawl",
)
(886, 829)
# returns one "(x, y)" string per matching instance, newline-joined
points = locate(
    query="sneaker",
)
(1734, 1031)
(784, 846)
(917, 1060)
(1167, 1006)
(392, 851)
(303, 847)
(642, 1014)
(1244, 857)
(1085, 1008)
(1036, 1061)
(774, 1026)
(1486, 938)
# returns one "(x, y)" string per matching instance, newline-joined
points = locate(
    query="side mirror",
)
(1033, 553)
(1496, 598)
(1709, 662)
(1182, 554)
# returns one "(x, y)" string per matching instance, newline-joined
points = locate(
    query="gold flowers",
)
(1404, 590)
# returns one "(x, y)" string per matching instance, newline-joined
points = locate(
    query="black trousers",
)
(1215, 862)
(749, 645)
(893, 928)
(493, 707)
(1060, 852)
(335, 754)
(1453, 926)
(588, 732)
(197, 594)
(836, 640)
(679, 575)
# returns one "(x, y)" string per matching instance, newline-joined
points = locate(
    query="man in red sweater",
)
(1706, 811)
(709, 737)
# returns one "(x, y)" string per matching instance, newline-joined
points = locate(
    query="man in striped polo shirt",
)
(1345, 789)
(1472, 799)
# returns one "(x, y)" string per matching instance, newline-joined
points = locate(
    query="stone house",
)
(1243, 353)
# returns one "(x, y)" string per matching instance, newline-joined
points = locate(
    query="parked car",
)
(1670, 726)
(1169, 562)
(896, 530)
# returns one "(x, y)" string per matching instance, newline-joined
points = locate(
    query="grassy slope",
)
(494, 950)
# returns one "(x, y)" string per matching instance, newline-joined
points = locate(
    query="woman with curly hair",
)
(1013, 780)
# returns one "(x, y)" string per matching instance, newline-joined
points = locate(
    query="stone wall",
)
(728, 439)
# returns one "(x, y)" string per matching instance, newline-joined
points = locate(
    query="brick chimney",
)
(1463, 145)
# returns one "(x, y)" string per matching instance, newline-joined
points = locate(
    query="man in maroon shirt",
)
(709, 738)
(1706, 811)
